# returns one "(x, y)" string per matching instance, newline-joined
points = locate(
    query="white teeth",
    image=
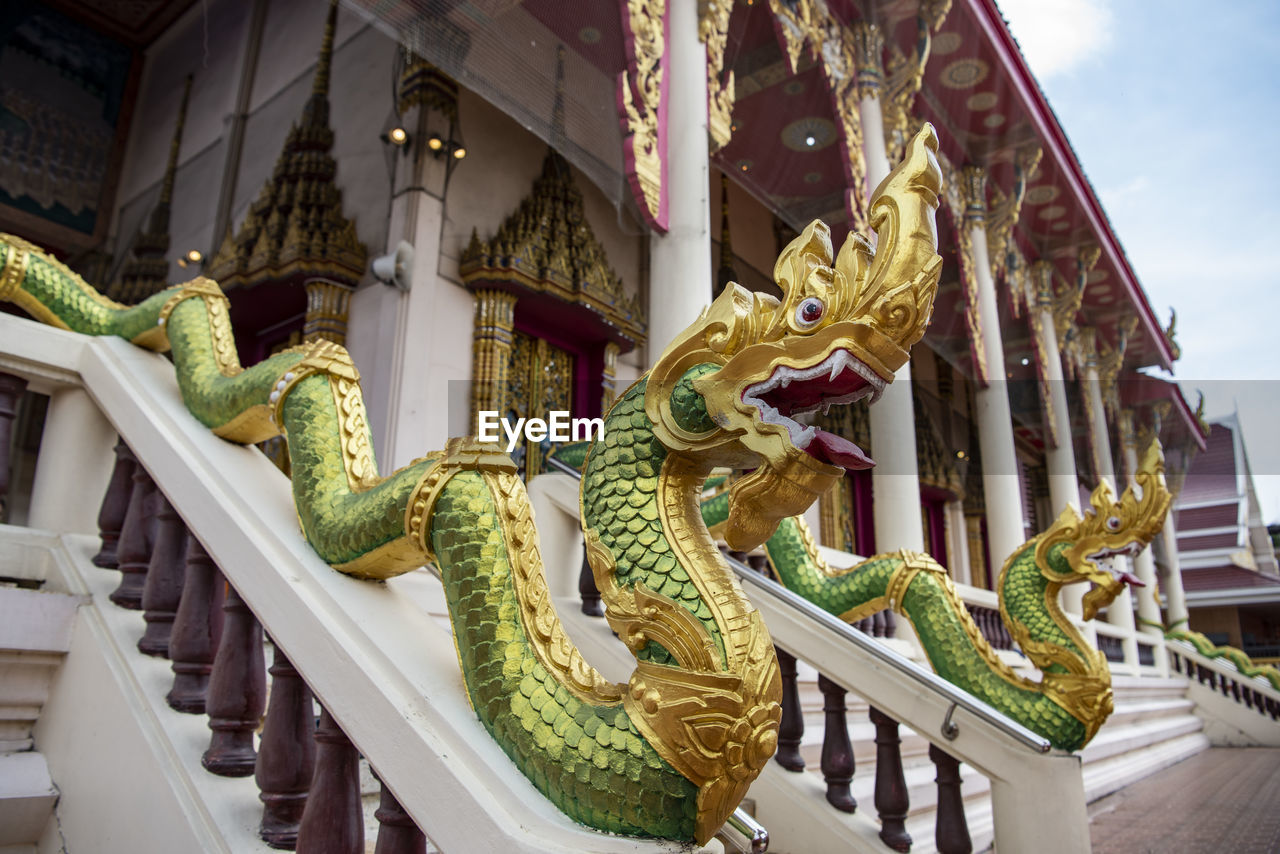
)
(800, 432)
(802, 438)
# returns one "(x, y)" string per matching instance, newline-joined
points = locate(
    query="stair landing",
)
(1222, 799)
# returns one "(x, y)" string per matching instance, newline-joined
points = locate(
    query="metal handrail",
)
(932, 681)
(562, 467)
(745, 833)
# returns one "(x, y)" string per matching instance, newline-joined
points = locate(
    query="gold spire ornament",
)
(295, 230)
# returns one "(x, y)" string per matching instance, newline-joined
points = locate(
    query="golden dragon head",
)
(1108, 528)
(838, 334)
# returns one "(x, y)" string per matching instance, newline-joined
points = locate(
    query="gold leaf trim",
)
(542, 626)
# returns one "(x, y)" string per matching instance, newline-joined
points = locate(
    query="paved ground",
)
(1221, 800)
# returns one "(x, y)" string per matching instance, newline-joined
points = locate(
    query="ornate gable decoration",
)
(547, 246)
(295, 229)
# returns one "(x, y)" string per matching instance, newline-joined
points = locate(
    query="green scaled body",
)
(589, 760)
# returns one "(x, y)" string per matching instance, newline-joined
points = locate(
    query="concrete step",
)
(27, 796)
(1103, 777)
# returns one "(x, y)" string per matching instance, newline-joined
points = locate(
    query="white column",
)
(1064, 483)
(680, 260)
(895, 481)
(1119, 612)
(958, 543)
(395, 335)
(75, 460)
(1149, 620)
(1000, 488)
(1060, 461)
(1175, 597)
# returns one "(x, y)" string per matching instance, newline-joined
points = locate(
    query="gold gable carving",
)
(547, 246)
(296, 230)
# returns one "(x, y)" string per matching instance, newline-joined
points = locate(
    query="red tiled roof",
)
(1225, 578)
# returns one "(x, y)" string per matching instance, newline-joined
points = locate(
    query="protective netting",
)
(509, 52)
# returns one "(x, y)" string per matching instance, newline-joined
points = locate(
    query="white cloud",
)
(1113, 196)
(1057, 36)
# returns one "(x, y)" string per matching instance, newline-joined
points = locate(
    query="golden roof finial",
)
(558, 135)
(726, 273)
(166, 189)
(320, 85)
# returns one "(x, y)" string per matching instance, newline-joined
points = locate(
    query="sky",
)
(1173, 109)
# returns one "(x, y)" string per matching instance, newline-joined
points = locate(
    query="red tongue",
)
(839, 451)
(1131, 579)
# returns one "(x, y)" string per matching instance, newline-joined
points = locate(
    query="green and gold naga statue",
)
(670, 753)
(1073, 697)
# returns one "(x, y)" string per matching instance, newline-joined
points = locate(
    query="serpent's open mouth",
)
(791, 396)
(1130, 550)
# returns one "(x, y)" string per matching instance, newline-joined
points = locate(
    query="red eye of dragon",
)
(809, 311)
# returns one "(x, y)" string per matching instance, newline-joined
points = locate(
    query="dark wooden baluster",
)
(134, 548)
(286, 756)
(397, 832)
(890, 623)
(333, 821)
(587, 589)
(877, 624)
(951, 833)
(11, 389)
(837, 751)
(891, 786)
(863, 625)
(114, 504)
(760, 563)
(162, 592)
(791, 730)
(196, 629)
(237, 692)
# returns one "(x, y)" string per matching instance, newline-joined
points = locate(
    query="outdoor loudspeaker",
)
(396, 268)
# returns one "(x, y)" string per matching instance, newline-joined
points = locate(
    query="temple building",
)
(515, 206)
(1229, 571)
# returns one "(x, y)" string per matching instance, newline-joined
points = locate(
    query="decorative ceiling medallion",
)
(994, 120)
(808, 134)
(1042, 195)
(1060, 226)
(813, 177)
(589, 35)
(965, 73)
(982, 101)
(1098, 276)
(1053, 212)
(795, 87)
(946, 43)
